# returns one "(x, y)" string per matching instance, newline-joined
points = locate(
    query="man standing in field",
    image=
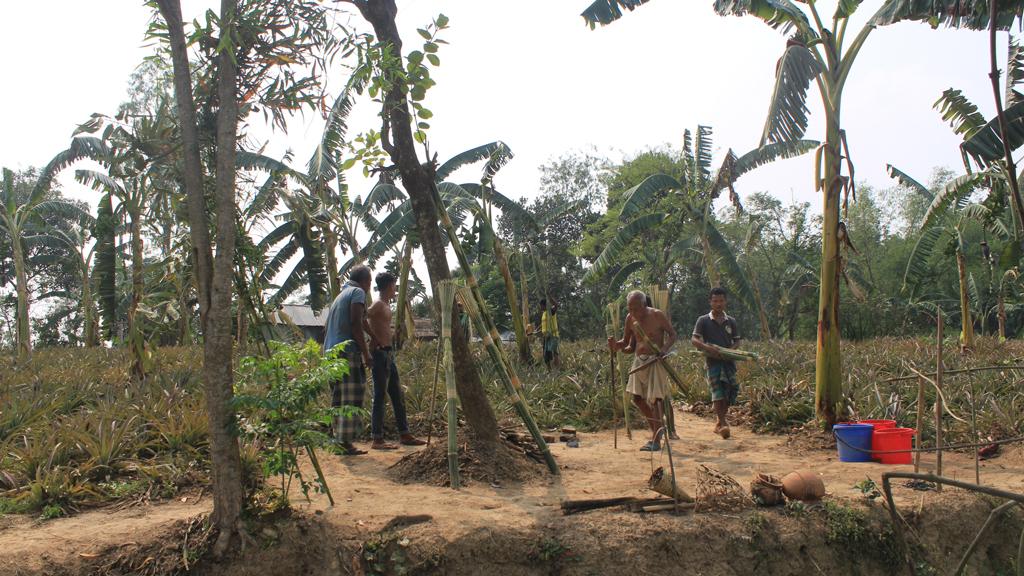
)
(716, 328)
(549, 334)
(648, 380)
(385, 372)
(345, 320)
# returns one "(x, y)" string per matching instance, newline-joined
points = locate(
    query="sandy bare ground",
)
(366, 499)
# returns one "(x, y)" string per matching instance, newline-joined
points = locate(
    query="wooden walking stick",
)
(613, 310)
(611, 384)
(920, 423)
(938, 401)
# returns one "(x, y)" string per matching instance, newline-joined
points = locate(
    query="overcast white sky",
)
(532, 74)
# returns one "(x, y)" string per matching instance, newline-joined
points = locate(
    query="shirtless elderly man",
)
(649, 382)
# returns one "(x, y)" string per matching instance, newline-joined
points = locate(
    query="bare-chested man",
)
(650, 384)
(385, 373)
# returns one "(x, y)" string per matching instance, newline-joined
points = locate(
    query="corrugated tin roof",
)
(425, 328)
(301, 315)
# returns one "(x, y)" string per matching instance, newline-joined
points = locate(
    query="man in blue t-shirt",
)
(346, 327)
(716, 328)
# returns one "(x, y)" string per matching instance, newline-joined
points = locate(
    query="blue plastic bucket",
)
(853, 441)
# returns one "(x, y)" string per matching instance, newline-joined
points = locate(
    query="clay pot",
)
(766, 490)
(803, 485)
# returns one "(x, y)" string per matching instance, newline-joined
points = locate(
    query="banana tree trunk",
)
(709, 262)
(330, 246)
(766, 331)
(513, 303)
(966, 320)
(828, 362)
(184, 311)
(90, 330)
(21, 276)
(403, 295)
(524, 293)
(1001, 317)
(135, 336)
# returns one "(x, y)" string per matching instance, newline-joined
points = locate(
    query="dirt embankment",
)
(382, 526)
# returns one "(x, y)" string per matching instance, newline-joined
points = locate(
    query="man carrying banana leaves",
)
(714, 334)
(649, 382)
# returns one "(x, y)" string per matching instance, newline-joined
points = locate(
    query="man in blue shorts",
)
(716, 328)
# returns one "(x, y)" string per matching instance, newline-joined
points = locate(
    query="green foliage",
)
(278, 407)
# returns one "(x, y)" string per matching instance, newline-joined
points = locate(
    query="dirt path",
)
(367, 500)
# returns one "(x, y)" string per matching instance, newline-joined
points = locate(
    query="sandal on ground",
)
(382, 445)
(350, 450)
(410, 440)
(651, 447)
(724, 432)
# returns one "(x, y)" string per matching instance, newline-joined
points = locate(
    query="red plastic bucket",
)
(879, 425)
(893, 439)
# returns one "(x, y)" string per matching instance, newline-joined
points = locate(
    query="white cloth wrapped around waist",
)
(651, 382)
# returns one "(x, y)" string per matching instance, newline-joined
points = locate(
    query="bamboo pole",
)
(403, 294)
(659, 297)
(959, 371)
(508, 378)
(610, 332)
(614, 310)
(938, 398)
(920, 423)
(657, 351)
(433, 391)
(489, 333)
(974, 434)
(446, 292)
(518, 321)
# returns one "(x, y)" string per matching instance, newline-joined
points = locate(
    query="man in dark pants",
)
(345, 320)
(385, 373)
(716, 328)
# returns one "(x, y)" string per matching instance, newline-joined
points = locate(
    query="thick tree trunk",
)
(219, 375)
(213, 278)
(828, 362)
(417, 179)
(24, 337)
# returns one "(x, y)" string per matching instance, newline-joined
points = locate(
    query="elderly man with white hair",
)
(648, 381)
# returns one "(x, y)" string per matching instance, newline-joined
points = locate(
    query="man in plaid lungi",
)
(345, 323)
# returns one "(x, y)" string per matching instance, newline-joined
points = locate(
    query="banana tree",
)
(1009, 285)
(20, 210)
(988, 145)
(949, 211)
(73, 247)
(461, 201)
(687, 201)
(818, 53)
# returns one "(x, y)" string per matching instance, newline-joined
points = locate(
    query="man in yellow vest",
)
(549, 334)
